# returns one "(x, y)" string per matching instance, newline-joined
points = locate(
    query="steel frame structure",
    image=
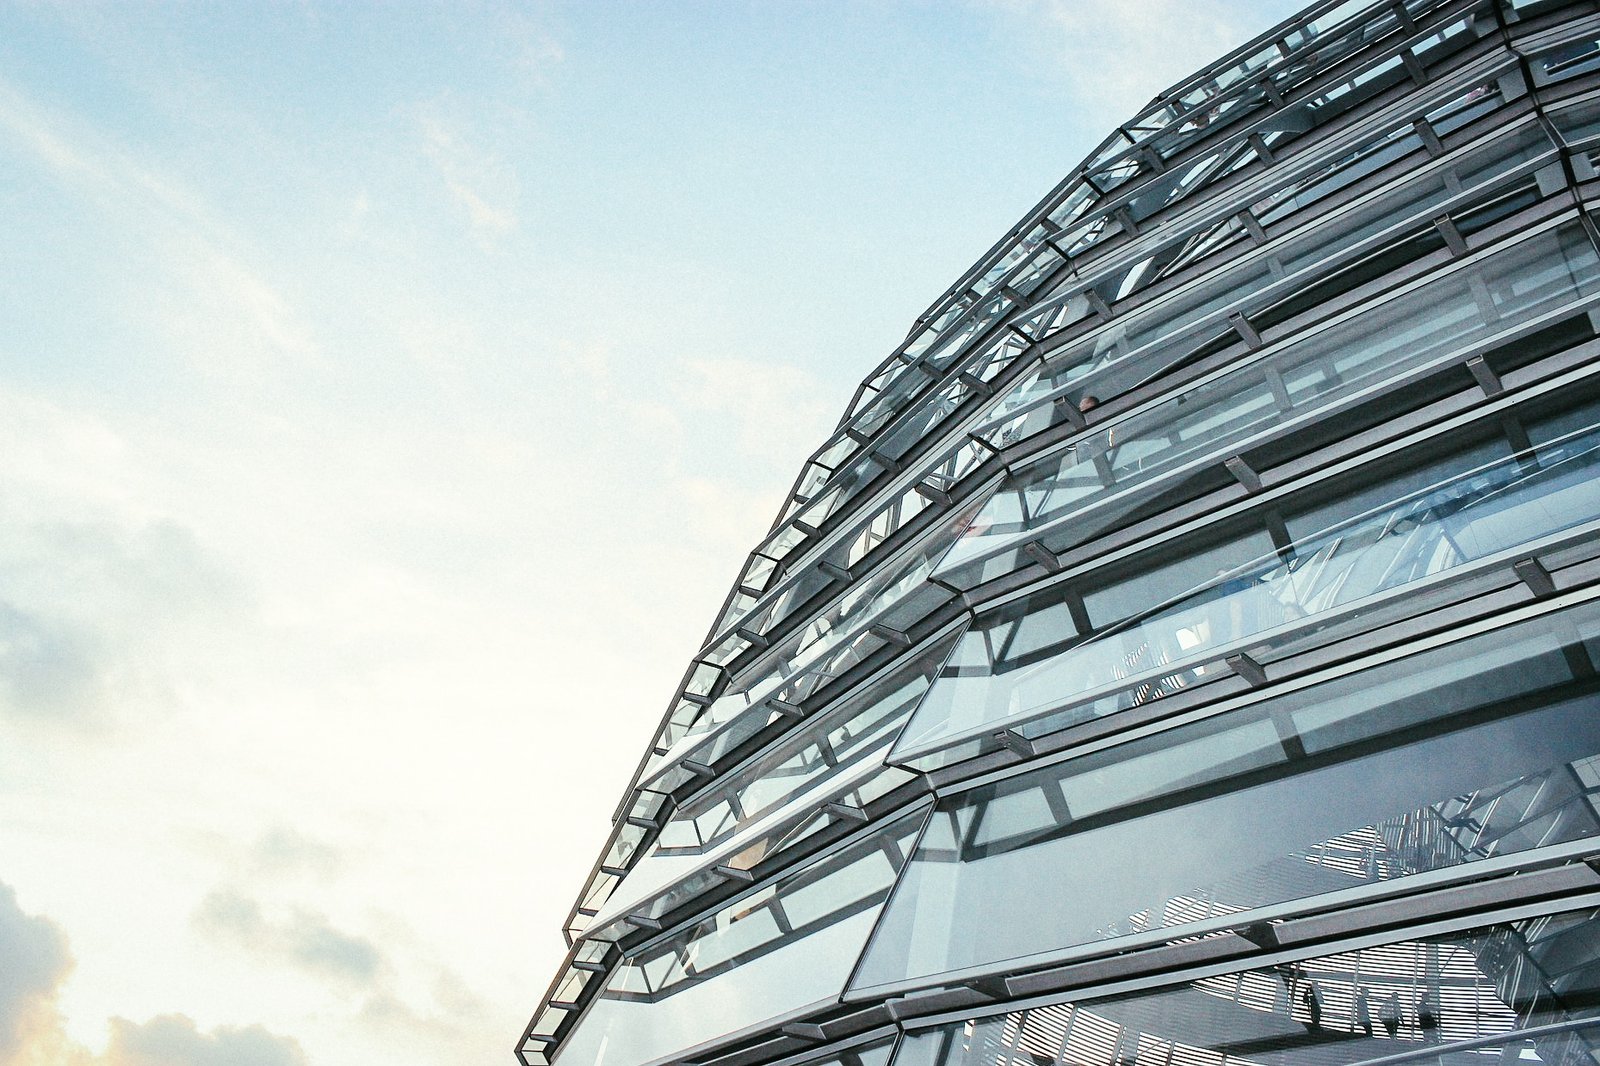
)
(1185, 647)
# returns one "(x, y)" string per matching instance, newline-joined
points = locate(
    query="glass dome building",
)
(1183, 652)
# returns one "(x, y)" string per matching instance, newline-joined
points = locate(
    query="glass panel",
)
(776, 949)
(1517, 992)
(571, 985)
(877, 1055)
(1133, 347)
(797, 590)
(1025, 263)
(1456, 755)
(897, 596)
(1568, 61)
(1135, 595)
(1127, 461)
(1579, 122)
(666, 882)
(922, 421)
(752, 814)
(807, 761)
(1182, 641)
(625, 842)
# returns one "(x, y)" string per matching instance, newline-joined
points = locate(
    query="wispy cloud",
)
(48, 669)
(755, 401)
(453, 1011)
(100, 585)
(536, 52)
(423, 998)
(1115, 55)
(283, 850)
(226, 306)
(480, 184)
(303, 938)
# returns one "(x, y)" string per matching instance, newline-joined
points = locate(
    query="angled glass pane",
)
(1135, 347)
(1079, 491)
(757, 811)
(1466, 522)
(1465, 753)
(1516, 992)
(778, 948)
(898, 595)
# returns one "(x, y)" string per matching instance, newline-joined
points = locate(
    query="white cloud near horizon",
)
(37, 962)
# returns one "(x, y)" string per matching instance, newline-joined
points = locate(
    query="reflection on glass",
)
(811, 759)
(625, 842)
(822, 571)
(663, 883)
(1518, 992)
(1476, 516)
(1135, 347)
(781, 947)
(777, 801)
(1130, 458)
(1468, 752)
(1567, 61)
(898, 596)
(942, 343)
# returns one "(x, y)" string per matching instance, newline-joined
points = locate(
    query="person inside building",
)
(1390, 1015)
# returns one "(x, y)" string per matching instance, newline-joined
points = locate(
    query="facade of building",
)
(1184, 651)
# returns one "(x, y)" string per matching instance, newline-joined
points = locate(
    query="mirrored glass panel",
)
(1308, 591)
(1465, 753)
(1134, 347)
(1079, 491)
(898, 596)
(780, 947)
(1521, 992)
(777, 800)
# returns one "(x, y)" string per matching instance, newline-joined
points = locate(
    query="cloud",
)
(221, 302)
(95, 610)
(48, 670)
(425, 1003)
(454, 1014)
(534, 52)
(165, 1040)
(305, 939)
(317, 945)
(102, 591)
(36, 960)
(283, 850)
(173, 1040)
(223, 309)
(478, 182)
(1115, 55)
(754, 401)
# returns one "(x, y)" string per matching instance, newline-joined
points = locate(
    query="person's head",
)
(1088, 402)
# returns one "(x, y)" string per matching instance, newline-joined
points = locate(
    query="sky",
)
(389, 394)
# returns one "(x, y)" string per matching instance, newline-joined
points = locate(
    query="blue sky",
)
(389, 394)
